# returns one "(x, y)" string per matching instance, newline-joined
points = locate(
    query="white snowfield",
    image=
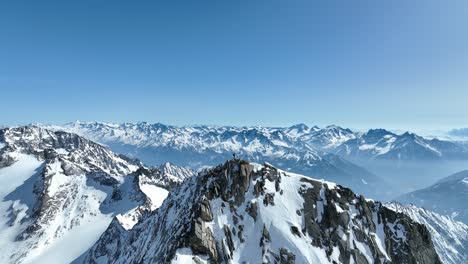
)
(11, 178)
(65, 237)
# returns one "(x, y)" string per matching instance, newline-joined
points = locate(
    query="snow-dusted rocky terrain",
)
(245, 213)
(448, 196)
(59, 192)
(450, 237)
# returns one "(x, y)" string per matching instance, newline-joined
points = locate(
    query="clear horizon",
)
(365, 64)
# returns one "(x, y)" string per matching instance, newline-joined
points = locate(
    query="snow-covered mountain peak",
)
(241, 212)
(331, 137)
(299, 130)
(378, 132)
(44, 144)
(57, 186)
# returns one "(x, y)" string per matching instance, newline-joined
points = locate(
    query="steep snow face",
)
(292, 149)
(31, 234)
(447, 196)
(59, 192)
(11, 178)
(240, 212)
(450, 237)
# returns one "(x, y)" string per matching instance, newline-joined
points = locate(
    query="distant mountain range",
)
(273, 141)
(64, 198)
(298, 148)
(448, 196)
(383, 144)
(332, 153)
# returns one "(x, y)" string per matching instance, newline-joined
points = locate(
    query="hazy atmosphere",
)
(364, 64)
(226, 132)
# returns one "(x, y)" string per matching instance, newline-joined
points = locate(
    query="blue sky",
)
(393, 64)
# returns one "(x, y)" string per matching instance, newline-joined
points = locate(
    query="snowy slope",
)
(246, 213)
(294, 148)
(448, 196)
(450, 237)
(58, 189)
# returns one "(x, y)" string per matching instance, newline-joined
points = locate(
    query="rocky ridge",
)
(75, 184)
(241, 212)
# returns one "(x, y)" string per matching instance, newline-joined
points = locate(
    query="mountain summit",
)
(241, 212)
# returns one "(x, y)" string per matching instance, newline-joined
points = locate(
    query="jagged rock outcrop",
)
(259, 214)
(449, 237)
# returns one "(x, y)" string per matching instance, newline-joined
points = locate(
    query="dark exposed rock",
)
(197, 260)
(201, 240)
(295, 231)
(240, 235)
(252, 210)
(229, 241)
(269, 199)
(205, 211)
(259, 188)
(6, 160)
(265, 236)
(287, 257)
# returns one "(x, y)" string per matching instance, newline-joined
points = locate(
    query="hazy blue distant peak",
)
(300, 126)
(379, 132)
(459, 176)
(460, 132)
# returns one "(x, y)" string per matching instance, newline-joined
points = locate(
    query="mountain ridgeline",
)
(378, 163)
(57, 187)
(240, 212)
(67, 199)
(447, 196)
